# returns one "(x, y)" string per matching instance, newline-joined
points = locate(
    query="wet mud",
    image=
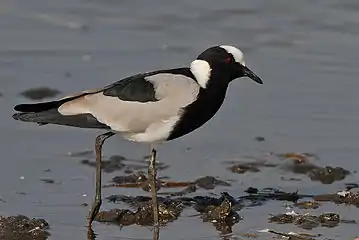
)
(223, 211)
(118, 162)
(169, 210)
(212, 209)
(303, 164)
(140, 180)
(254, 166)
(290, 235)
(23, 228)
(307, 205)
(307, 221)
(298, 163)
(341, 197)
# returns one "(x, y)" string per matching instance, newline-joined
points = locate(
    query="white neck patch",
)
(236, 53)
(202, 72)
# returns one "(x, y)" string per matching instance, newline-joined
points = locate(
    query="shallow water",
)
(305, 51)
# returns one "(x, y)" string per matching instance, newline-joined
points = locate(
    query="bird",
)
(150, 107)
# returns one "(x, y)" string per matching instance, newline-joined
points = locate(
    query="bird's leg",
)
(100, 139)
(152, 178)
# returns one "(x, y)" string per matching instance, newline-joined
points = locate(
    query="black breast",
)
(200, 111)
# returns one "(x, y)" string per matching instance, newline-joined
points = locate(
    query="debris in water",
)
(219, 211)
(290, 235)
(209, 182)
(254, 166)
(259, 139)
(40, 93)
(340, 197)
(307, 221)
(301, 164)
(108, 166)
(47, 180)
(307, 205)
(328, 175)
(300, 157)
(134, 178)
(140, 180)
(23, 228)
(169, 210)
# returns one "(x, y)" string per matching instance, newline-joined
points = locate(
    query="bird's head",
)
(221, 63)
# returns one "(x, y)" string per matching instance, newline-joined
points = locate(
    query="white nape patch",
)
(202, 72)
(236, 53)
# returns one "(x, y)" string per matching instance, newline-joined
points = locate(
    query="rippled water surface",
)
(305, 51)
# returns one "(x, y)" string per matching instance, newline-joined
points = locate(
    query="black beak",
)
(248, 73)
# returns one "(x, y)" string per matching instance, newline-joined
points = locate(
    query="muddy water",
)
(305, 51)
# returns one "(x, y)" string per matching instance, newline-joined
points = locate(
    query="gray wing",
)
(139, 104)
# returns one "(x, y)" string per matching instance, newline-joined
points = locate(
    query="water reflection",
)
(91, 235)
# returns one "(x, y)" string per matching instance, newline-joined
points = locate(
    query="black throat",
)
(208, 102)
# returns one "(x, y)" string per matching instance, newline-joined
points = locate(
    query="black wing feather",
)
(137, 88)
(134, 88)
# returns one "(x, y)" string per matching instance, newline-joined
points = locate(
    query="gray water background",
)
(305, 51)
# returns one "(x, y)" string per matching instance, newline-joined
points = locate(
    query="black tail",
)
(44, 106)
(47, 113)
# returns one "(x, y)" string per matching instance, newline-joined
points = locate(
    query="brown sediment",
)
(300, 157)
(223, 212)
(307, 221)
(342, 197)
(23, 228)
(133, 178)
(253, 166)
(307, 205)
(328, 175)
(299, 163)
(209, 182)
(290, 236)
(139, 180)
(168, 211)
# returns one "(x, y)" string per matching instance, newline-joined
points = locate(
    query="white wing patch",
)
(202, 72)
(236, 53)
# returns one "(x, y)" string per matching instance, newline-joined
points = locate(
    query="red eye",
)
(228, 60)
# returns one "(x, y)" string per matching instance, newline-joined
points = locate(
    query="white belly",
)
(157, 132)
